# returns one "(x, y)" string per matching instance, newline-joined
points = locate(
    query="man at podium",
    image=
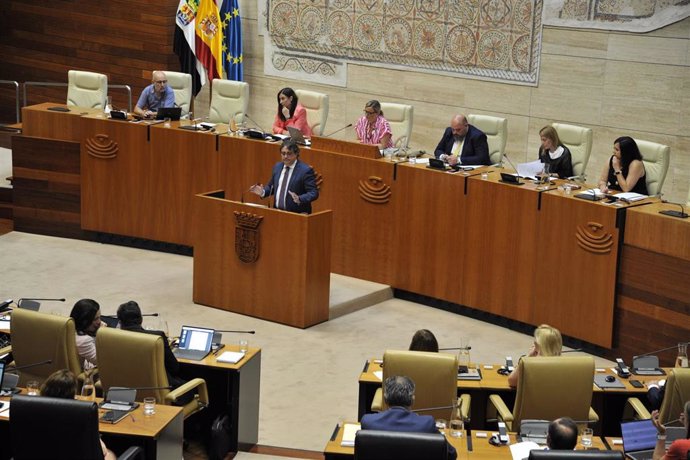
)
(292, 182)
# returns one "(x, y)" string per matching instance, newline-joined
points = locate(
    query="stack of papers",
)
(231, 357)
(349, 432)
(630, 197)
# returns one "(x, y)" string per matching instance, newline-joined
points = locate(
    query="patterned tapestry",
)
(489, 39)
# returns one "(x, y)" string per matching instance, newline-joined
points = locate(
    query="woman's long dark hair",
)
(629, 151)
(83, 313)
(287, 92)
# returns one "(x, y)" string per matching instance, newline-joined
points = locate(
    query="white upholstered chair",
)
(579, 141)
(688, 203)
(181, 84)
(496, 130)
(400, 118)
(86, 89)
(655, 158)
(316, 105)
(228, 97)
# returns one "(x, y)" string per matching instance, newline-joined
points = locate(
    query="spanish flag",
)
(209, 38)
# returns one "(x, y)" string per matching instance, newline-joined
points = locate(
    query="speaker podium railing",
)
(262, 262)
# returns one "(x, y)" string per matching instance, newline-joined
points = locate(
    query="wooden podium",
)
(262, 262)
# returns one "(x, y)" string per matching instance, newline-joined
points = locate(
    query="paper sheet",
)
(521, 450)
(349, 432)
(231, 357)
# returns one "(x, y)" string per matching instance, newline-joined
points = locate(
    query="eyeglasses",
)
(287, 154)
(370, 112)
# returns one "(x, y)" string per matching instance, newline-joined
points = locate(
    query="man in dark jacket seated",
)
(398, 393)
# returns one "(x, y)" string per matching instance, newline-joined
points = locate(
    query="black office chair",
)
(57, 428)
(395, 445)
(576, 455)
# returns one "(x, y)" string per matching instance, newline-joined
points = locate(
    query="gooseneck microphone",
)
(33, 303)
(338, 130)
(255, 123)
(235, 332)
(513, 166)
(679, 214)
(455, 348)
(28, 366)
(659, 351)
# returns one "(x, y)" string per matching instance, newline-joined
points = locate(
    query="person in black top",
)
(625, 170)
(555, 154)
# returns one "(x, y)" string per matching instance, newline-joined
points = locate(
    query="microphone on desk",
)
(255, 123)
(681, 215)
(32, 303)
(643, 366)
(659, 351)
(338, 130)
(235, 332)
(427, 409)
(9, 381)
(505, 155)
(5, 305)
(27, 366)
(455, 348)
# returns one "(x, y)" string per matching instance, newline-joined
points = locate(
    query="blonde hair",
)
(550, 133)
(549, 340)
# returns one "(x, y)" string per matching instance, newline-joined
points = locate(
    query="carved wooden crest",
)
(247, 236)
(101, 146)
(374, 190)
(594, 238)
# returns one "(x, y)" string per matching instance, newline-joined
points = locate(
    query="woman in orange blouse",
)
(290, 113)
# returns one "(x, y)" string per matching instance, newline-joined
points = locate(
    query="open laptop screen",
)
(195, 338)
(638, 435)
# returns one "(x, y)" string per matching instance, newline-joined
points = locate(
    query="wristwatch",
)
(617, 172)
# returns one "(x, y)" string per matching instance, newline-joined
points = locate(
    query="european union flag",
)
(232, 39)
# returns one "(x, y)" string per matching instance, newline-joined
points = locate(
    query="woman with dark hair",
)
(625, 170)
(424, 340)
(372, 128)
(86, 314)
(63, 384)
(290, 113)
(678, 450)
(555, 154)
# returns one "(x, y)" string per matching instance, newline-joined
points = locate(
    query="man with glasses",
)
(155, 96)
(464, 144)
(292, 182)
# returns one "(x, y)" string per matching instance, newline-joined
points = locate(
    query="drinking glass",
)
(682, 359)
(244, 345)
(457, 428)
(149, 406)
(88, 389)
(464, 353)
(586, 438)
(32, 388)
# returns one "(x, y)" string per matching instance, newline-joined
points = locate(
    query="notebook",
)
(195, 343)
(639, 439)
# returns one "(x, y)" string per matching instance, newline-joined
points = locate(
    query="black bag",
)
(220, 438)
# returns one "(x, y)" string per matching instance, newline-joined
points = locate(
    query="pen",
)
(133, 419)
(215, 353)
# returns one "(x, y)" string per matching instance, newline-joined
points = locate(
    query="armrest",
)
(634, 409)
(503, 411)
(466, 401)
(132, 453)
(200, 401)
(377, 403)
(593, 416)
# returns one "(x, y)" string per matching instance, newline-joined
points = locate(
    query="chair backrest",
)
(578, 139)
(181, 84)
(395, 445)
(38, 337)
(435, 376)
(400, 117)
(655, 158)
(496, 130)
(55, 428)
(677, 392)
(86, 89)
(132, 359)
(316, 105)
(688, 202)
(543, 382)
(576, 455)
(228, 98)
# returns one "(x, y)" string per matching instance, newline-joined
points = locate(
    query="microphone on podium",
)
(510, 178)
(338, 130)
(679, 214)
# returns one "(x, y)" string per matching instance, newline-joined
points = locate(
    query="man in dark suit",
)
(562, 434)
(463, 143)
(398, 393)
(292, 182)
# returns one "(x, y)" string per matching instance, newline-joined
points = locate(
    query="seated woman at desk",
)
(624, 170)
(680, 447)
(63, 384)
(424, 340)
(86, 314)
(555, 154)
(372, 128)
(547, 342)
(290, 113)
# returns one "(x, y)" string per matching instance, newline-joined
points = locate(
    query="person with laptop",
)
(547, 342)
(462, 143)
(562, 434)
(63, 384)
(86, 314)
(155, 96)
(680, 447)
(290, 113)
(292, 182)
(398, 393)
(130, 318)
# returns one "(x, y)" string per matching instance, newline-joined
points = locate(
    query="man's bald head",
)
(459, 126)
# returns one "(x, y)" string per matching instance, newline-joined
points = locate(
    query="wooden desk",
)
(160, 435)
(233, 390)
(482, 450)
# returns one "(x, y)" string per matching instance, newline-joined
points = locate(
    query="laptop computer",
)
(195, 343)
(639, 439)
(296, 135)
(174, 113)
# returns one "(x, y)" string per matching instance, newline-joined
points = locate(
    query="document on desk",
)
(531, 169)
(5, 409)
(521, 450)
(5, 324)
(231, 357)
(349, 432)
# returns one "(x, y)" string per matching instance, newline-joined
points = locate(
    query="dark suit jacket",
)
(401, 419)
(302, 182)
(172, 367)
(475, 150)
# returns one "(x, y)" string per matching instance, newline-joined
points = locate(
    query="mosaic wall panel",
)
(488, 39)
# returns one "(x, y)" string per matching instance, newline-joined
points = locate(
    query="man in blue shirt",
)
(158, 94)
